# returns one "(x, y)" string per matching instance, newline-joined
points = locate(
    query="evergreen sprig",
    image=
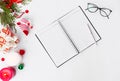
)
(24, 2)
(7, 18)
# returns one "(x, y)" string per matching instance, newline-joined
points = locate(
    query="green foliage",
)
(15, 7)
(24, 2)
(7, 17)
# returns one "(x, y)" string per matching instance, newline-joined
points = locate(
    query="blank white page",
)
(57, 44)
(80, 29)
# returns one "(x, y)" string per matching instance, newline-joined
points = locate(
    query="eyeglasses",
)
(105, 12)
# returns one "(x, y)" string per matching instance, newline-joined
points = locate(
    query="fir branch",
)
(6, 17)
(24, 2)
(15, 8)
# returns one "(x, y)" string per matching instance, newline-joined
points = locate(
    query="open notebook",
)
(68, 36)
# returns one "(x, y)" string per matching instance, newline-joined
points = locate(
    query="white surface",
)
(99, 63)
(13, 59)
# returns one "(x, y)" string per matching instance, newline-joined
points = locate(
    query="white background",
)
(98, 63)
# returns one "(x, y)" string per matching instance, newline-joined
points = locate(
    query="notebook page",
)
(80, 29)
(57, 44)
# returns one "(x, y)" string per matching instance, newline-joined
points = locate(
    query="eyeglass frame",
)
(100, 9)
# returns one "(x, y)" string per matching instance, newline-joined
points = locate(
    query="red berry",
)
(21, 51)
(2, 59)
(26, 11)
(18, 23)
(31, 27)
(25, 32)
(28, 24)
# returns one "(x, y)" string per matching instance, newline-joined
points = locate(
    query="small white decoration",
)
(13, 59)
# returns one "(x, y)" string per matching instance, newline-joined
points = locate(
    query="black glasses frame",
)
(100, 10)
